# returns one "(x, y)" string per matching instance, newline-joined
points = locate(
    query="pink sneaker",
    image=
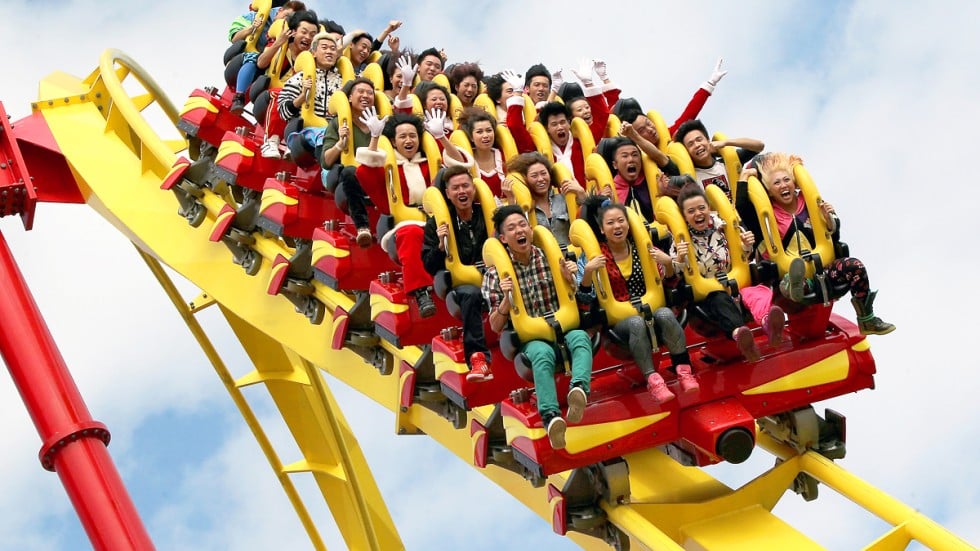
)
(479, 369)
(686, 380)
(773, 325)
(746, 343)
(658, 388)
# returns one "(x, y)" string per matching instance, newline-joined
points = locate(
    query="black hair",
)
(304, 16)
(349, 87)
(553, 109)
(495, 87)
(627, 109)
(399, 119)
(430, 52)
(609, 148)
(425, 88)
(536, 70)
(331, 26)
(687, 127)
(360, 35)
(570, 91)
(503, 213)
(454, 170)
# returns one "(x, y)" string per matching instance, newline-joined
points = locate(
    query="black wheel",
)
(314, 311)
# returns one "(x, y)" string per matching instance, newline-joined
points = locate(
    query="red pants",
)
(408, 243)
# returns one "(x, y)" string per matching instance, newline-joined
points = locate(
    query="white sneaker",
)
(270, 149)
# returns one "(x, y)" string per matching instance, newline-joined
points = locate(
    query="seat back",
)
(375, 73)
(434, 203)
(598, 176)
(581, 235)
(307, 65)
(261, 9)
(663, 131)
(824, 245)
(669, 213)
(729, 155)
(484, 102)
(528, 327)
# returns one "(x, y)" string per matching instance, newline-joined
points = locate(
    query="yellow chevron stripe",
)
(380, 305)
(195, 102)
(579, 438)
(828, 370)
(274, 196)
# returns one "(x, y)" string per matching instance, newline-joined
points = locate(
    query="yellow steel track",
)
(119, 161)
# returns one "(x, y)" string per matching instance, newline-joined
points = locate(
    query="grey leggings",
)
(633, 330)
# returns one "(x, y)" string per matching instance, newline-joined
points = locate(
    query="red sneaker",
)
(479, 369)
(658, 388)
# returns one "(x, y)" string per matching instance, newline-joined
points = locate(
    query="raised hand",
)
(599, 66)
(556, 80)
(717, 74)
(514, 80)
(407, 70)
(435, 123)
(369, 117)
(584, 72)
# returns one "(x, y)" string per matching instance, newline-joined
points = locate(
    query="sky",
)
(876, 96)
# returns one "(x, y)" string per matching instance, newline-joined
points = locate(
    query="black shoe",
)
(427, 308)
(238, 104)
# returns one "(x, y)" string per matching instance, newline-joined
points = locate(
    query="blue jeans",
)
(541, 354)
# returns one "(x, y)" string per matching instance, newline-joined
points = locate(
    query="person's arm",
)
(334, 141)
(291, 97)
(515, 114)
(495, 292)
(392, 27)
(265, 58)
(244, 26)
(433, 255)
(645, 145)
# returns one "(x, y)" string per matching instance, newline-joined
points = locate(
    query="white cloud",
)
(877, 97)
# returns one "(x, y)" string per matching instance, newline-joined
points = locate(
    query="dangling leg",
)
(672, 334)
(852, 271)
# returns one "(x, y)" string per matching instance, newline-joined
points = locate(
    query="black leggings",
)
(720, 308)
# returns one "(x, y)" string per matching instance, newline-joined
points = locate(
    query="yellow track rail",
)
(119, 161)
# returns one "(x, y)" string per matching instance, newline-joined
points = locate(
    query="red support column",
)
(74, 445)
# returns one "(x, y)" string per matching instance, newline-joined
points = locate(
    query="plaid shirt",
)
(533, 279)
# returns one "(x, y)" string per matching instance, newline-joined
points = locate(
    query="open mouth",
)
(632, 169)
(462, 199)
(521, 239)
(700, 151)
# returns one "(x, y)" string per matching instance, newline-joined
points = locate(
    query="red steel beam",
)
(74, 444)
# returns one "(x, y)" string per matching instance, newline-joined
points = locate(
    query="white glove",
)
(435, 123)
(599, 66)
(716, 75)
(514, 80)
(404, 64)
(556, 80)
(584, 73)
(369, 117)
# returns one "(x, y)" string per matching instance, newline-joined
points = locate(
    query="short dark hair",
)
(687, 127)
(430, 52)
(360, 35)
(536, 70)
(399, 119)
(627, 109)
(495, 87)
(303, 16)
(609, 148)
(553, 109)
(503, 213)
(349, 87)
(454, 170)
(331, 26)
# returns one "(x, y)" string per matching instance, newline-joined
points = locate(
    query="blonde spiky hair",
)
(774, 162)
